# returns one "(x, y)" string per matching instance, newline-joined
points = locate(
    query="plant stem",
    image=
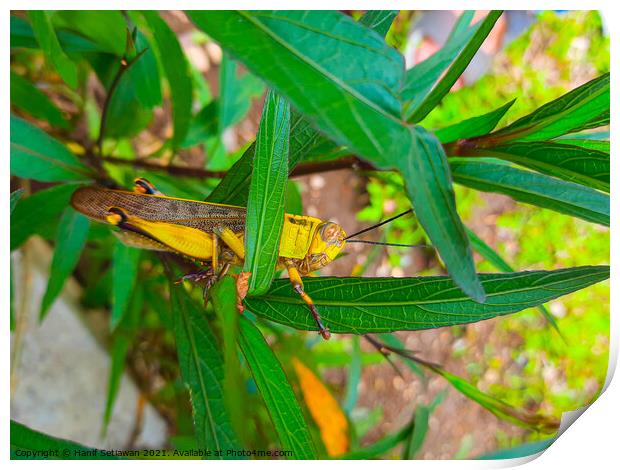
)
(125, 65)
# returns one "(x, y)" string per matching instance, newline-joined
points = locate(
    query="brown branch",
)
(350, 162)
(170, 169)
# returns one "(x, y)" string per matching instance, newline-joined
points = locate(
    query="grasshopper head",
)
(327, 242)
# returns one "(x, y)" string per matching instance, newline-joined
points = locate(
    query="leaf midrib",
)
(347, 303)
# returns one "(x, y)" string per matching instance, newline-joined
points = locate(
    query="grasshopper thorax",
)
(327, 242)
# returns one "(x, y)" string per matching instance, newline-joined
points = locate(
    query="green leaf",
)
(121, 342)
(420, 427)
(499, 408)
(524, 450)
(533, 188)
(429, 187)
(473, 127)
(27, 97)
(22, 36)
(70, 241)
(373, 305)
(125, 264)
(126, 116)
(419, 112)
(600, 145)
(496, 260)
(37, 156)
(420, 78)
(224, 299)
(29, 444)
(145, 73)
(46, 37)
(203, 374)
(345, 100)
(379, 20)
(15, 197)
(33, 213)
(584, 107)
(203, 126)
(107, 28)
(568, 162)
(353, 376)
(380, 447)
(312, 41)
(236, 93)
(177, 71)
(275, 389)
(265, 213)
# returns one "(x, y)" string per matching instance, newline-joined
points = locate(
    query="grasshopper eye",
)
(333, 234)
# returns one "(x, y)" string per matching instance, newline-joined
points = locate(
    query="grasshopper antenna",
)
(368, 242)
(380, 224)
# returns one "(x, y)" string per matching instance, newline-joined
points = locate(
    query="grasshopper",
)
(211, 234)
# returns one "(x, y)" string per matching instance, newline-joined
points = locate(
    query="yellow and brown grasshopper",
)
(209, 233)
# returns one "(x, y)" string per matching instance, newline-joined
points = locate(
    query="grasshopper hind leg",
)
(298, 286)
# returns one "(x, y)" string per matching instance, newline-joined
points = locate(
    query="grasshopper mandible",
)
(209, 233)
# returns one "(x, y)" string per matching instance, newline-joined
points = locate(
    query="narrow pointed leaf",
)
(419, 112)
(35, 212)
(533, 188)
(265, 213)
(70, 241)
(380, 447)
(46, 37)
(473, 127)
(501, 409)
(379, 20)
(27, 97)
(584, 107)
(421, 78)
(569, 162)
(354, 375)
(374, 305)
(125, 262)
(223, 297)
(203, 374)
(121, 342)
(420, 427)
(37, 156)
(176, 68)
(429, 186)
(277, 393)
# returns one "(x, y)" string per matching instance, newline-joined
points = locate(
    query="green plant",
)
(339, 90)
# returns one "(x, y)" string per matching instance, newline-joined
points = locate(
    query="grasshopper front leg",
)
(298, 286)
(229, 237)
